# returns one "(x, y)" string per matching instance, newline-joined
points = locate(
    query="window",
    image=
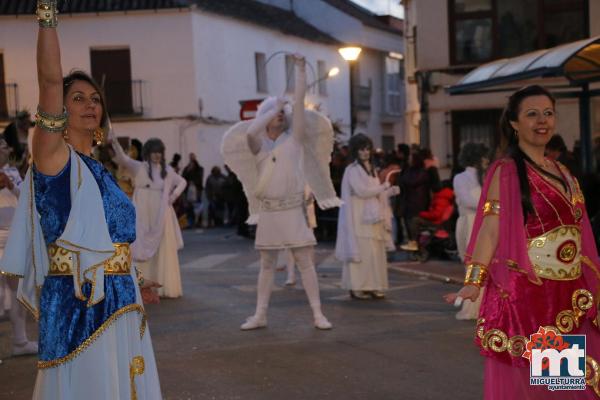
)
(261, 72)
(477, 126)
(393, 85)
(485, 30)
(3, 104)
(322, 76)
(112, 70)
(290, 77)
(563, 21)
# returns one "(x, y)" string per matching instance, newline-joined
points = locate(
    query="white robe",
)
(361, 234)
(467, 191)
(158, 235)
(279, 165)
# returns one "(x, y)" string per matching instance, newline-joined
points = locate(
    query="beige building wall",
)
(432, 54)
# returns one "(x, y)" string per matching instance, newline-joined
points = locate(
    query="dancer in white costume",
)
(9, 193)
(274, 164)
(69, 246)
(156, 187)
(467, 189)
(364, 224)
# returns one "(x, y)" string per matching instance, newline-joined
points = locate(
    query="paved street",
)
(408, 346)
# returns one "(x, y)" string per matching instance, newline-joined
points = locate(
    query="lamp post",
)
(351, 54)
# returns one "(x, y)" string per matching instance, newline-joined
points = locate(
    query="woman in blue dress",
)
(70, 246)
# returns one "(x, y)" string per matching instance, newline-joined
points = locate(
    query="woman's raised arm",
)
(50, 152)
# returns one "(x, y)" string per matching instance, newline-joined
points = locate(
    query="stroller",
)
(438, 240)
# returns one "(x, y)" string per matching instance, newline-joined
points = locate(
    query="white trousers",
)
(303, 256)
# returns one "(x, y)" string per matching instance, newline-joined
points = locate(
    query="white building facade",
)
(377, 76)
(188, 68)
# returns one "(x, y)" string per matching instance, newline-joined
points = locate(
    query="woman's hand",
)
(393, 191)
(470, 292)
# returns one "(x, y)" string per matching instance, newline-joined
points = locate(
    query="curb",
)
(428, 275)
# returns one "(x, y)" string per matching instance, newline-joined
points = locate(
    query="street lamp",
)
(332, 72)
(351, 54)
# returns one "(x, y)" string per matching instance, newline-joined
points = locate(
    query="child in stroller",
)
(432, 230)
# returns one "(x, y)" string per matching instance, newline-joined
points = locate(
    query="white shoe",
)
(254, 322)
(410, 246)
(290, 282)
(322, 323)
(24, 349)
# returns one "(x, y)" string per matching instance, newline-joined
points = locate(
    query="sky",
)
(391, 7)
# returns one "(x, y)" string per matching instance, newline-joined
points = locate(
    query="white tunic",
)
(8, 205)
(467, 191)
(279, 164)
(361, 234)
(158, 235)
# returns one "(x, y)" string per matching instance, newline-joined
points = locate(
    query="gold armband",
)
(47, 13)
(476, 274)
(491, 207)
(51, 123)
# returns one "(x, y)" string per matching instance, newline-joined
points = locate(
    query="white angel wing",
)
(318, 146)
(237, 155)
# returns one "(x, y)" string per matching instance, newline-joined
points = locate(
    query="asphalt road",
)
(408, 346)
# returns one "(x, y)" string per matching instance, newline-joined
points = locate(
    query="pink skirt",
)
(503, 381)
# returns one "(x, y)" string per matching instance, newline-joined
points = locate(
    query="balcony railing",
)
(9, 100)
(125, 98)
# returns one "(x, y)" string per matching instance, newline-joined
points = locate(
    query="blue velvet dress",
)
(65, 321)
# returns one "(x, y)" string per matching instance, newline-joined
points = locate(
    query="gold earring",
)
(98, 136)
(65, 135)
(516, 133)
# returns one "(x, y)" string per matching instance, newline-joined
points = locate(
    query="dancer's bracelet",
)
(51, 123)
(47, 13)
(476, 274)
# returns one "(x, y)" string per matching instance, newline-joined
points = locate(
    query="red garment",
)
(442, 206)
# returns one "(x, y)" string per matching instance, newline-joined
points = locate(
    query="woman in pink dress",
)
(532, 248)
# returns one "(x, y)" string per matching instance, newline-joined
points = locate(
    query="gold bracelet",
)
(47, 13)
(51, 123)
(491, 207)
(476, 274)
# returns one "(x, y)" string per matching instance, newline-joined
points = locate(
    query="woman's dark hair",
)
(360, 142)
(155, 145)
(417, 160)
(77, 75)
(556, 143)
(471, 156)
(510, 139)
(138, 145)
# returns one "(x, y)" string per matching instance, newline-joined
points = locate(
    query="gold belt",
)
(556, 255)
(61, 260)
(295, 200)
